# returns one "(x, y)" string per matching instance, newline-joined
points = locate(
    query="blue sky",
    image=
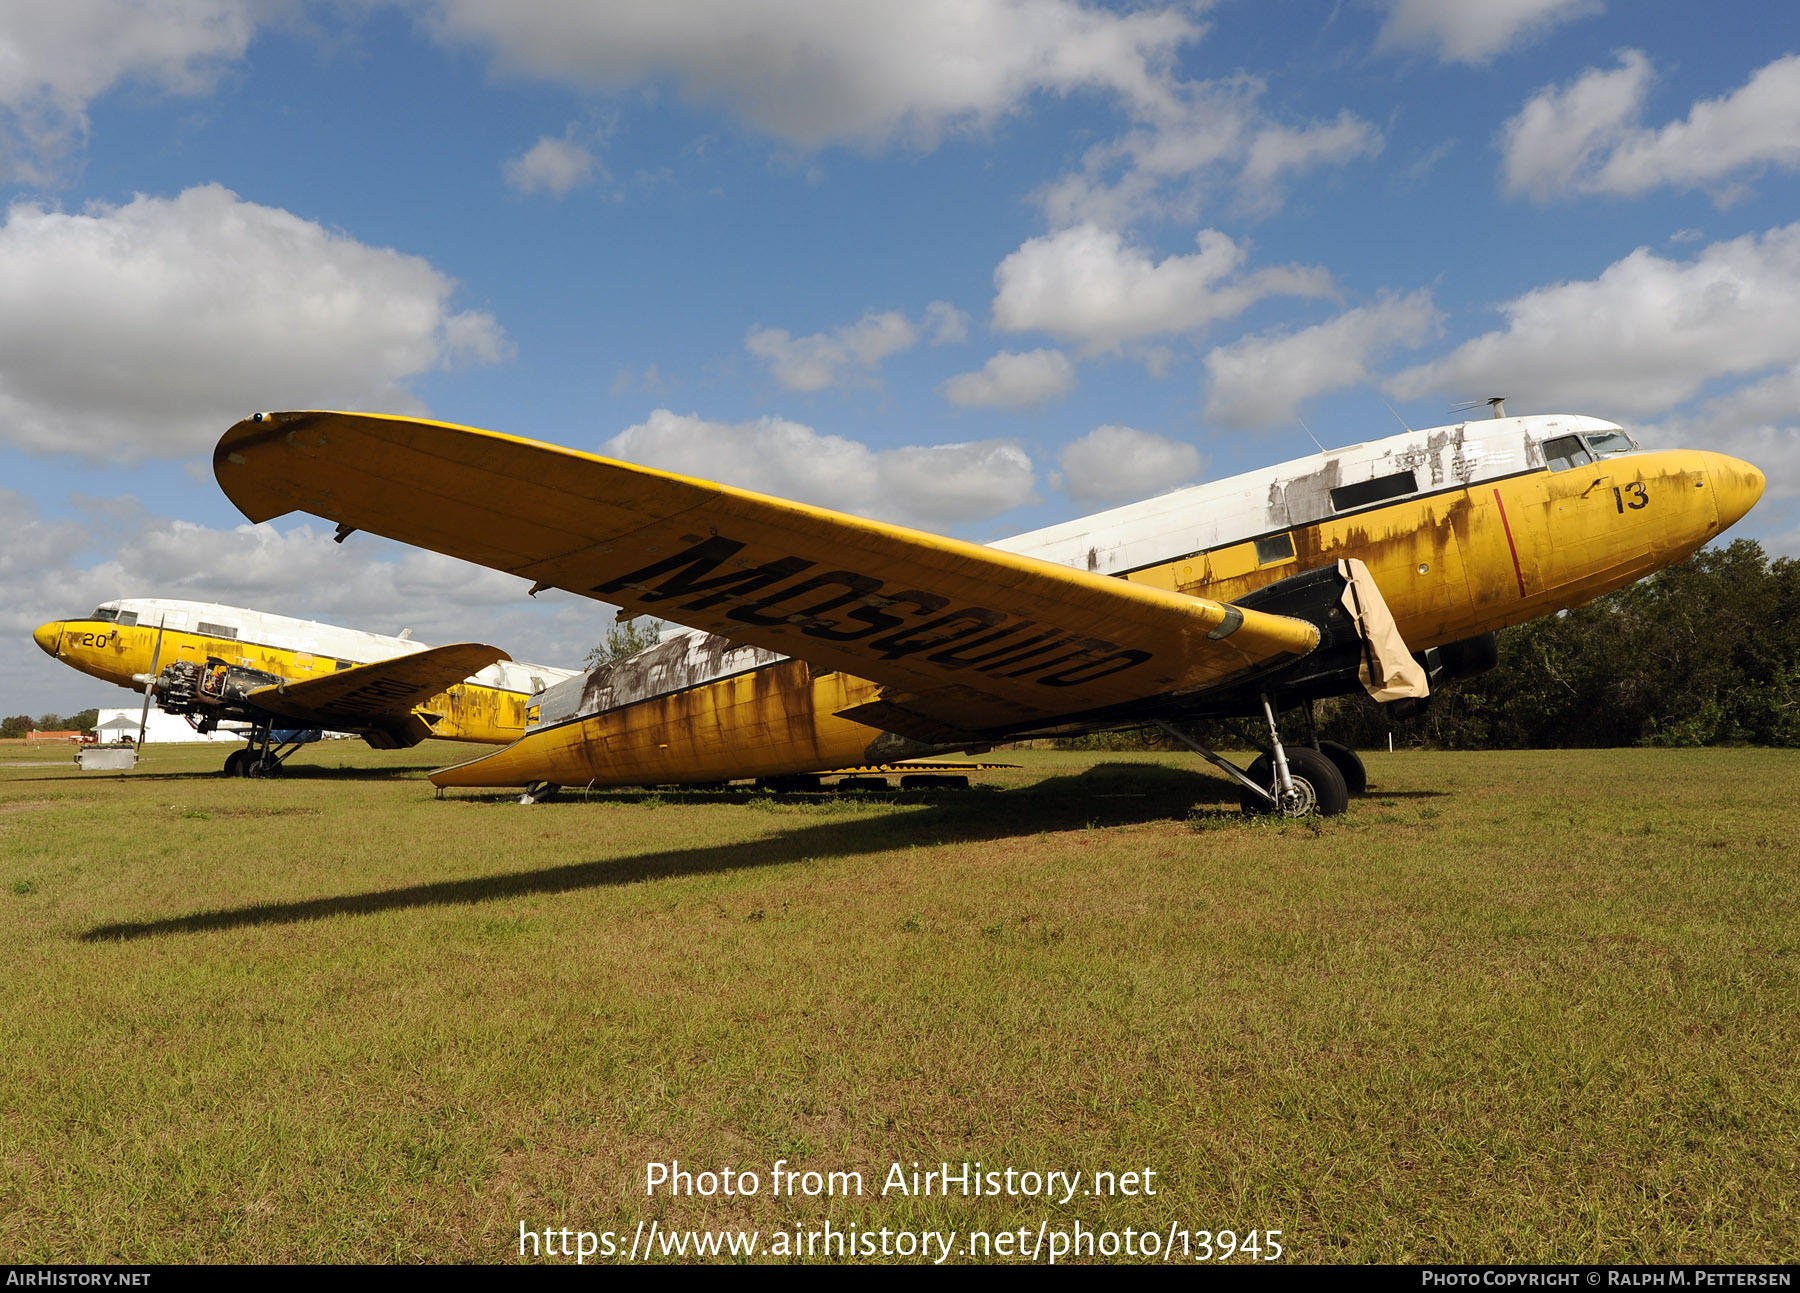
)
(975, 266)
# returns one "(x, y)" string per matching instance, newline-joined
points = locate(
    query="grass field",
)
(1527, 1007)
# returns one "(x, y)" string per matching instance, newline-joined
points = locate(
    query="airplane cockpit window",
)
(1602, 443)
(1564, 452)
(107, 613)
(127, 619)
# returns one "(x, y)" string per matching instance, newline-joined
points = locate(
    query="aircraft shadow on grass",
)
(1105, 795)
(289, 772)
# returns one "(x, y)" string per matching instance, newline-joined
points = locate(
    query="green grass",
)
(1527, 1007)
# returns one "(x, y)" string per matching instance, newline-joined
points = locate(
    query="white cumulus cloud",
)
(145, 330)
(817, 71)
(850, 354)
(927, 485)
(1278, 151)
(1120, 464)
(1089, 285)
(946, 324)
(1649, 333)
(1195, 140)
(554, 166)
(56, 58)
(1010, 381)
(1262, 381)
(846, 355)
(1588, 136)
(1474, 31)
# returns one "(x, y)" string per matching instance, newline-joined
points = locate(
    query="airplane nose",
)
(48, 636)
(1736, 486)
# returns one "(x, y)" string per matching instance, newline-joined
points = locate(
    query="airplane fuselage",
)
(119, 642)
(1466, 529)
(1479, 530)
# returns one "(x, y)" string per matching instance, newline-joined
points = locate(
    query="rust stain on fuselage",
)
(1451, 565)
(463, 712)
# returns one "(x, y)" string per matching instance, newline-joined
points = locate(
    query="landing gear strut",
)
(263, 756)
(1349, 766)
(1293, 780)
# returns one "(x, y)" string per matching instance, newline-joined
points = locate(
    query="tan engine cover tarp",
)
(1388, 670)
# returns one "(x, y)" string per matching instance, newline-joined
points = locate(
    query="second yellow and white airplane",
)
(281, 675)
(825, 639)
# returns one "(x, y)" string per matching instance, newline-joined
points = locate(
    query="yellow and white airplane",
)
(826, 639)
(283, 676)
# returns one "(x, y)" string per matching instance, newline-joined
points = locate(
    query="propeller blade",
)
(150, 687)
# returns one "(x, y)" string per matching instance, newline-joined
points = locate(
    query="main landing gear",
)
(1292, 780)
(263, 756)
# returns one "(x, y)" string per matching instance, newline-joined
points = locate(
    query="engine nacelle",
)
(1455, 661)
(208, 689)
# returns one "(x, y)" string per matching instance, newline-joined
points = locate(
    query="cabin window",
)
(1277, 547)
(215, 630)
(1566, 452)
(127, 619)
(106, 613)
(345, 664)
(1346, 497)
(1606, 442)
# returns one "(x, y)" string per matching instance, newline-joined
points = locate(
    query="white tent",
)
(163, 728)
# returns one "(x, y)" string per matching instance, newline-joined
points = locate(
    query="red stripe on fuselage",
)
(1510, 545)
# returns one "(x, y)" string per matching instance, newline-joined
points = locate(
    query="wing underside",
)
(963, 639)
(379, 697)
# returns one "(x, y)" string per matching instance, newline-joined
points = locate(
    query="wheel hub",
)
(1297, 801)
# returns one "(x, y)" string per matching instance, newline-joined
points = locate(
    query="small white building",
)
(163, 729)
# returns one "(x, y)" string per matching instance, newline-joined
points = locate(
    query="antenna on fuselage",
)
(1308, 430)
(1395, 412)
(1494, 402)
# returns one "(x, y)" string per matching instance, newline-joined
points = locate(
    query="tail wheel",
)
(1318, 785)
(1349, 765)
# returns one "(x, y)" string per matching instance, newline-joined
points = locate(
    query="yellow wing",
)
(964, 639)
(380, 696)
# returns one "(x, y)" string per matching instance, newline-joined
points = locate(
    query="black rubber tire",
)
(254, 768)
(1330, 797)
(1349, 766)
(790, 783)
(234, 763)
(933, 781)
(862, 783)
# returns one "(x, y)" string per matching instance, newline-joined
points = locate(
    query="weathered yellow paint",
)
(464, 712)
(1444, 563)
(785, 713)
(611, 530)
(1451, 565)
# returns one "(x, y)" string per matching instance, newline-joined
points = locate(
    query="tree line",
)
(20, 725)
(1706, 652)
